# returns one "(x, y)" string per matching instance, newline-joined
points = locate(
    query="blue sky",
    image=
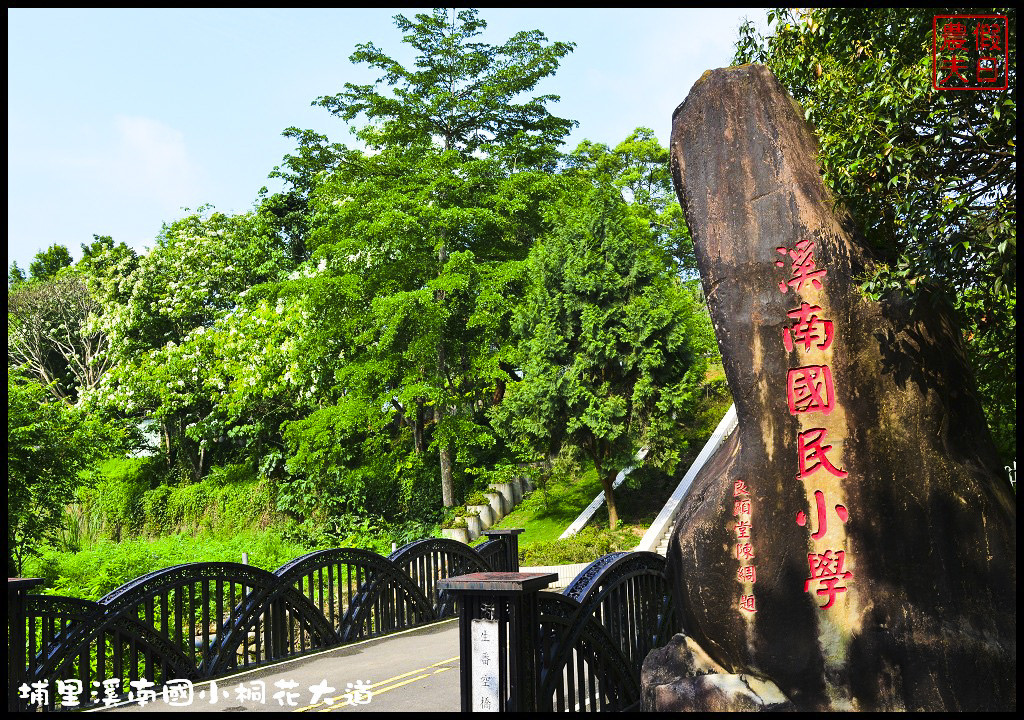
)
(118, 119)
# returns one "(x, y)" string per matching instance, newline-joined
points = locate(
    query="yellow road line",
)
(338, 705)
(378, 692)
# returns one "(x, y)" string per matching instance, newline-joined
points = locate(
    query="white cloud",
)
(150, 160)
(118, 175)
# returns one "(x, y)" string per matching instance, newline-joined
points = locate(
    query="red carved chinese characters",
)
(810, 389)
(742, 529)
(803, 272)
(741, 509)
(811, 452)
(809, 329)
(827, 569)
(819, 500)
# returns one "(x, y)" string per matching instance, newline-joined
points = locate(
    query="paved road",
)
(416, 671)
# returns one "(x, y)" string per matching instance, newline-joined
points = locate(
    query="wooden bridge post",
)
(17, 649)
(498, 653)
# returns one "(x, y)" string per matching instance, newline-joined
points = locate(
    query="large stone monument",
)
(854, 545)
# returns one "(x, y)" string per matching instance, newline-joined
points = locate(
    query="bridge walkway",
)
(413, 671)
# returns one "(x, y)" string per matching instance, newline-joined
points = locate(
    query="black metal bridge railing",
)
(578, 651)
(203, 620)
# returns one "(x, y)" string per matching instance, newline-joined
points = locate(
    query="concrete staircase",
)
(662, 547)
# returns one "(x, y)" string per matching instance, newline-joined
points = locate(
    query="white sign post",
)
(484, 641)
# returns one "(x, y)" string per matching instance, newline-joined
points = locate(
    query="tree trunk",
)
(417, 429)
(447, 478)
(169, 452)
(447, 449)
(194, 459)
(607, 480)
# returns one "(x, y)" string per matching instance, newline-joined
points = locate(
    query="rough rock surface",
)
(855, 544)
(680, 677)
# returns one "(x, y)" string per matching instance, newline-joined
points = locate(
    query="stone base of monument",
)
(681, 677)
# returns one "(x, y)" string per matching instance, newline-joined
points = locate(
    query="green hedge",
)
(92, 573)
(586, 546)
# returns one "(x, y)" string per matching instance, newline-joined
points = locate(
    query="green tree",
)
(613, 344)
(55, 328)
(929, 174)
(638, 167)
(461, 91)
(15, 275)
(107, 268)
(49, 262)
(421, 226)
(49, 445)
(167, 363)
(53, 331)
(292, 209)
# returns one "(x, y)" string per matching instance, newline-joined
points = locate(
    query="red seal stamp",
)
(969, 52)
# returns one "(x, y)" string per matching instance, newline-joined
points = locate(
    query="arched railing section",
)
(203, 620)
(428, 561)
(595, 635)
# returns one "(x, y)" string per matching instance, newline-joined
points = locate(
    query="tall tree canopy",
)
(49, 262)
(463, 92)
(930, 174)
(613, 345)
(638, 167)
(420, 227)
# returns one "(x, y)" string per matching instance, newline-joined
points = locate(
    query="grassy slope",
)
(106, 565)
(548, 511)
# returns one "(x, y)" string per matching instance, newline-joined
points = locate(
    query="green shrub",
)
(113, 504)
(186, 505)
(477, 498)
(586, 546)
(154, 509)
(69, 533)
(242, 473)
(246, 507)
(94, 572)
(456, 522)
(413, 530)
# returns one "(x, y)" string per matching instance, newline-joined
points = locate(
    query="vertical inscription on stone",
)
(862, 481)
(810, 389)
(742, 509)
(484, 639)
